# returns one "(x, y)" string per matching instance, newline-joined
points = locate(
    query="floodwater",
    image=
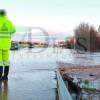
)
(32, 72)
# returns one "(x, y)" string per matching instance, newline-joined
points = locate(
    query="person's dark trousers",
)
(6, 72)
(1, 72)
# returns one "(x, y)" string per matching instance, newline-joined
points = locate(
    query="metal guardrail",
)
(62, 89)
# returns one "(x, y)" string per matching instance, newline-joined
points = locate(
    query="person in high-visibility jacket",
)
(6, 32)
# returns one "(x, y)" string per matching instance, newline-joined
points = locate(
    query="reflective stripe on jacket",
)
(6, 31)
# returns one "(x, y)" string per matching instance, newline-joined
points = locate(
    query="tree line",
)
(86, 38)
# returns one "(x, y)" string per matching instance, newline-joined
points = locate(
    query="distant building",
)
(99, 29)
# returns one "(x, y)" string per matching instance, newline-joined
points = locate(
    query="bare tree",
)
(89, 34)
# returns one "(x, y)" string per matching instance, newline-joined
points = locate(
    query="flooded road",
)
(32, 72)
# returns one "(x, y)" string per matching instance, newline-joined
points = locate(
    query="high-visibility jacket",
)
(6, 31)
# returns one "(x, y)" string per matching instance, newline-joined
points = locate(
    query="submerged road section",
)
(32, 72)
(30, 78)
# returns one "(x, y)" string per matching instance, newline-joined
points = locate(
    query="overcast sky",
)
(52, 15)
